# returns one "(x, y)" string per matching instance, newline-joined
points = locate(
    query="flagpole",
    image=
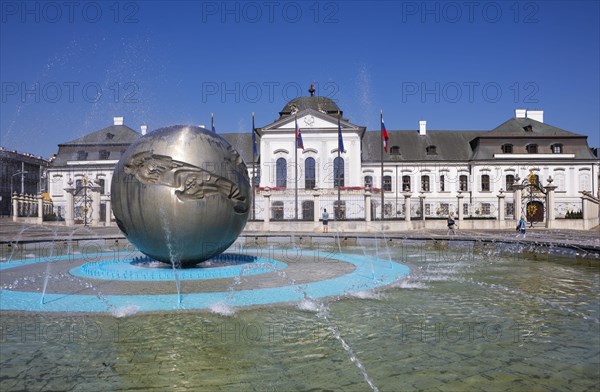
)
(381, 145)
(336, 212)
(253, 170)
(296, 168)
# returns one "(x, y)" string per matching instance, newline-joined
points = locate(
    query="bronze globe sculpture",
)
(181, 194)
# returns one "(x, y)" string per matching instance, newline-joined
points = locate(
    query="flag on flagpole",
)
(384, 135)
(254, 147)
(340, 139)
(299, 143)
(212, 122)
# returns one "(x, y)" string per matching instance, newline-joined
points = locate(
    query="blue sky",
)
(67, 68)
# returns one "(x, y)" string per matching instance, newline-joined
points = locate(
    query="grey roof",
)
(115, 134)
(450, 145)
(242, 142)
(515, 127)
(114, 140)
(321, 104)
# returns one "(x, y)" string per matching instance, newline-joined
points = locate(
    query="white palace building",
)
(486, 178)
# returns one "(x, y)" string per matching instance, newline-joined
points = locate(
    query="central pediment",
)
(310, 119)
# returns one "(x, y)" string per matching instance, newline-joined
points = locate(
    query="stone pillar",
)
(459, 210)
(517, 199)
(95, 189)
(70, 207)
(367, 205)
(108, 216)
(550, 203)
(267, 196)
(40, 209)
(501, 206)
(316, 206)
(15, 206)
(21, 204)
(407, 196)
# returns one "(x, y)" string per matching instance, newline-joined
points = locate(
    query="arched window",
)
(281, 172)
(431, 150)
(463, 183)
(485, 183)
(368, 181)
(395, 150)
(387, 183)
(510, 182)
(507, 148)
(309, 173)
(405, 183)
(338, 172)
(425, 183)
(532, 148)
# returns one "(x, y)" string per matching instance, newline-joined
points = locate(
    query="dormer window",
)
(395, 150)
(528, 128)
(507, 148)
(557, 148)
(532, 148)
(104, 154)
(109, 136)
(431, 150)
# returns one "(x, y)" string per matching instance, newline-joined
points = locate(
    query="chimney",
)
(117, 120)
(422, 127)
(520, 113)
(537, 115)
(144, 129)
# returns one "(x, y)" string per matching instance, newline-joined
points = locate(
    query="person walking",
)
(325, 217)
(521, 227)
(451, 224)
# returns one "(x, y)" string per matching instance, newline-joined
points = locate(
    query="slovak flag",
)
(299, 143)
(340, 139)
(384, 136)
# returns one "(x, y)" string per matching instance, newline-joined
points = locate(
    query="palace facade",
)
(424, 174)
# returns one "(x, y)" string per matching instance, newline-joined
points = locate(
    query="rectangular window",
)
(485, 183)
(465, 209)
(387, 183)
(485, 208)
(442, 184)
(425, 183)
(509, 209)
(427, 209)
(463, 184)
(406, 183)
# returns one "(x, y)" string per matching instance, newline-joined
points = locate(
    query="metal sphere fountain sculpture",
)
(181, 194)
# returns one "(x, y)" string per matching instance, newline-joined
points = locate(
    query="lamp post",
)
(21, 172)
